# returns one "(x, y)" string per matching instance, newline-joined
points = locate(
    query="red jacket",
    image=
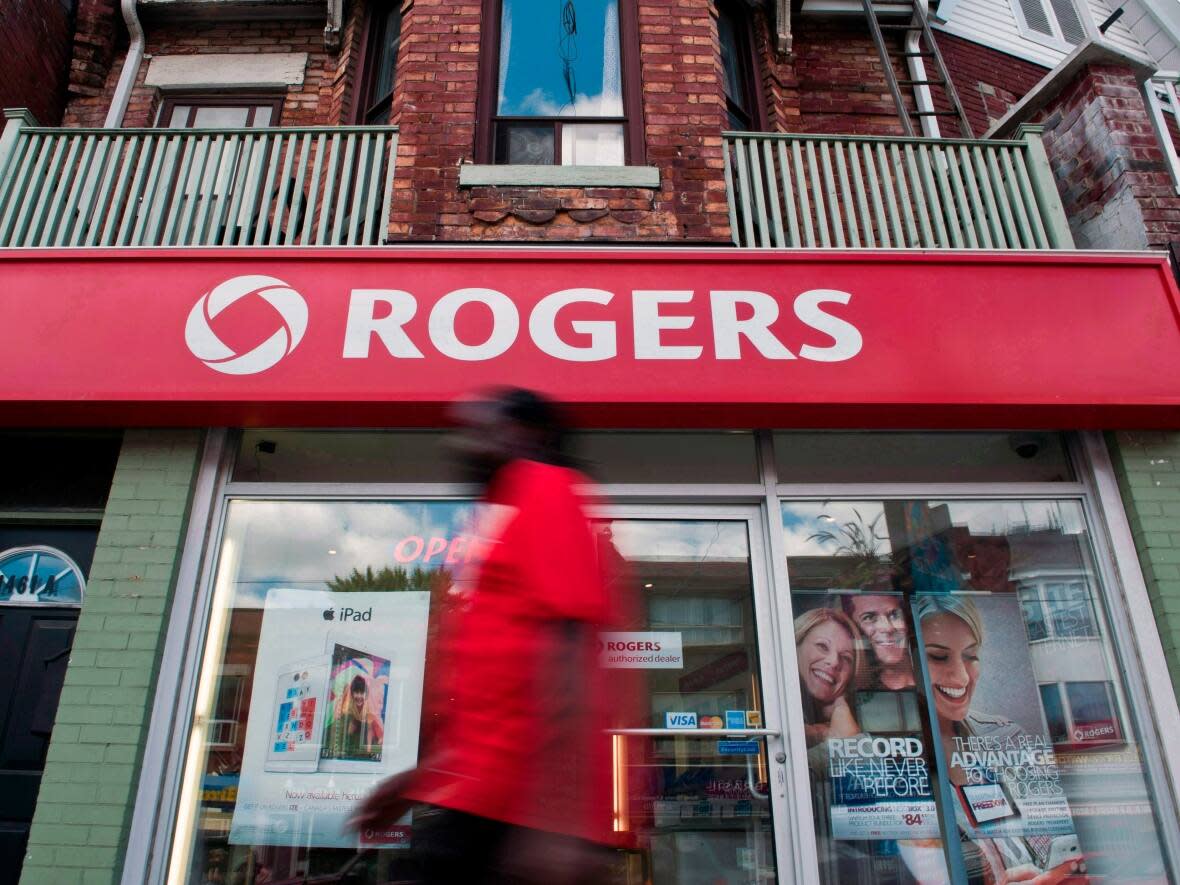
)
(519, 708)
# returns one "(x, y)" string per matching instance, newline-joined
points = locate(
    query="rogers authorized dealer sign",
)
(627, 337)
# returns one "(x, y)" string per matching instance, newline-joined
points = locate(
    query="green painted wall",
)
(84, 808)
(1148, 468)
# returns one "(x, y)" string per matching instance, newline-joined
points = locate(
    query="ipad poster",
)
(335, 709)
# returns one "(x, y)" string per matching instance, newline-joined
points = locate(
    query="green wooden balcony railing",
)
(324, 186)
(821, 191)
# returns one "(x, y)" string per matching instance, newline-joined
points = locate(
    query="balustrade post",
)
(1045, 188)
(16, 119)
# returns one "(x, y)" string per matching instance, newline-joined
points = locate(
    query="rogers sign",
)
(377, 321)
(644, 338)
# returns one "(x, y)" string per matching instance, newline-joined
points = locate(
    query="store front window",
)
(937, 675)
(319, 647)
(312, 685)
(966, 719)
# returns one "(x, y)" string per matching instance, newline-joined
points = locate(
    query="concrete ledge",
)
(558, 176)
(1090, 52)
(266, 70)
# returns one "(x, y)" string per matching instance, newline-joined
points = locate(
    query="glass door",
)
(699, 779)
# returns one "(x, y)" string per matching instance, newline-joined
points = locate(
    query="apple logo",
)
(330, 614)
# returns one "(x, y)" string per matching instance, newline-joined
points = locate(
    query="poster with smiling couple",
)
(863, 689)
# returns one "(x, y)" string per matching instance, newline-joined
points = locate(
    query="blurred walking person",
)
(515, 783)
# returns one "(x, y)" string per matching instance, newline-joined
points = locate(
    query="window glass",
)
(386, 24)
(592, 144)
(218, 112)
(343, 456)
(1092, 709)
(975, 612)
(312, 690)
(312, 685)
(1054, 713)
(921, 457)
(558, 67)
(735, 64)
(638, 457)
(564, 65)
(220, 118)
(698, 813)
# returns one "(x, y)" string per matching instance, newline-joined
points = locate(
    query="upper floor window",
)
(1055, 22)
(743, 111)
(211, 111)
(380, 65)
(559, 85)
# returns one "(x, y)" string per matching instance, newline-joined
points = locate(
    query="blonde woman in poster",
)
(828, 650)
(953, 638)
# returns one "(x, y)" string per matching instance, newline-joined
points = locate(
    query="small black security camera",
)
(1026, 445)
(267, 447)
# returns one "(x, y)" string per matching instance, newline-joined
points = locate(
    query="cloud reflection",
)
(287, 543)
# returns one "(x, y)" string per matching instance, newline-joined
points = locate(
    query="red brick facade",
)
(36, 43)
(1109, 167)
(988, 82)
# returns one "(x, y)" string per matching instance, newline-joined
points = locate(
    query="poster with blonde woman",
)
(1000, 765)
(872, 763)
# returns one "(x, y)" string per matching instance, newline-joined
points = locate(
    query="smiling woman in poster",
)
(953, 638)
(828, 651)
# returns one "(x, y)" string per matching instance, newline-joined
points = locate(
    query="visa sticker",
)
(735, 718)
(680, 720)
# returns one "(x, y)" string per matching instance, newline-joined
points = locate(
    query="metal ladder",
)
(917, 24)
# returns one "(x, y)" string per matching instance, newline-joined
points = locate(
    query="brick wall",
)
(318, 101)
(839, 84)
(1148, 468)
(988, 82)
(99, 38)
(1111, 173)
(36, 43)
(84, 808)
(435, 105)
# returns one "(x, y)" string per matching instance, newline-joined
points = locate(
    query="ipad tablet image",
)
(357, 710)
(986, 803)
(293, 743)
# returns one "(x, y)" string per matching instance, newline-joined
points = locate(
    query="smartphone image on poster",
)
(359, 699)
(987, 803)
(297, 716)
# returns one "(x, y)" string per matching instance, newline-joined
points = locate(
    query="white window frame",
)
(1057, 40)
(1159, 93)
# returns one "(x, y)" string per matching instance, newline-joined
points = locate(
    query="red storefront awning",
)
(627, 337)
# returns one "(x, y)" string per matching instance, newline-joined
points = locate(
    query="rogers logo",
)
(213, 352)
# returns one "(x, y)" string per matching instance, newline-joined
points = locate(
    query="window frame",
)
(204, 99)
(488, 82)
(363, 104)
(748, 62)
(1056, 40)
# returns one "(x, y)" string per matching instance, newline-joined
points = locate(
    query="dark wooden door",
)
(34, 652)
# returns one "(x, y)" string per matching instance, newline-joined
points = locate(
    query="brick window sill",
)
(558, 176)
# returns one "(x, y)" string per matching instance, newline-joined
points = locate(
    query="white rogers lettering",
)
(384, 313)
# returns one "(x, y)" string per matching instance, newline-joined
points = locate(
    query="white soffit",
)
(265, 70)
